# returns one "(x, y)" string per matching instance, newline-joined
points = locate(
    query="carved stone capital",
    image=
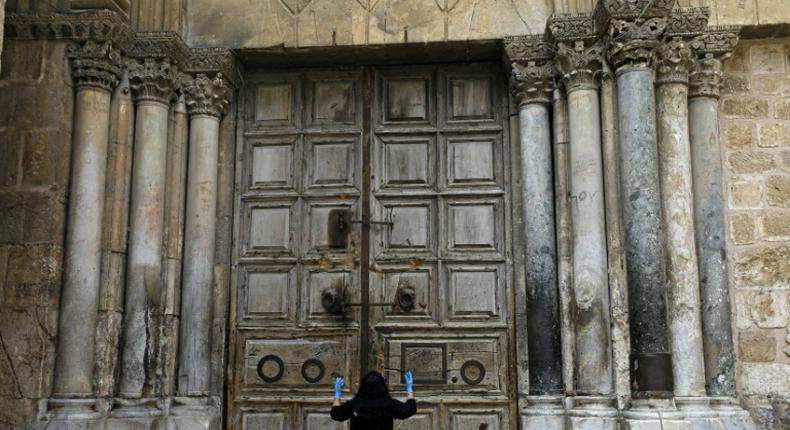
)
(206, 96)
(214, 60)
(96, 65)
(711, 48)
(608, 10)
(568, 27)
(674, 62)
(688, 21)
(153, 79)
(533, 82)
(579, 64)
(632, 43)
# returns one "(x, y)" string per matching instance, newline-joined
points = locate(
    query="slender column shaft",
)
(206, 103)
(710, 229)
(199, 255)
(82, 264)
(543, 322)
(650, 354)
(95, 69)
(685, 326)
(144, 272)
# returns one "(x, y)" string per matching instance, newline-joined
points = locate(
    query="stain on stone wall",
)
(756, 152)
(35, 142)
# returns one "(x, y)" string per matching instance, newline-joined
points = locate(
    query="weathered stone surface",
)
(33, 276)
(745, 107)
(775, 226)
(777, 191)
(746, 195)
(763, 267)
(782, 110)
(739, 61)
(774, 134)
(751, 162)
(757, 346)
(767, 59)
(46, 158)
(766, 379)
(739, 135)
(735, 84)
(768, 85)
(784, 158)
(742, 228)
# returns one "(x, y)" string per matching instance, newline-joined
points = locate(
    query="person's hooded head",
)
(373, 387)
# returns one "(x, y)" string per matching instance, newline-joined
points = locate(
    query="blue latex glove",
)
(409, 382)
(339, 382)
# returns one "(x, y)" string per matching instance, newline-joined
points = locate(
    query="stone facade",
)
(38, 84)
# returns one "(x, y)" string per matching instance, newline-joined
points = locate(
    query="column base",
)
(543, 412)
(654, 414)
(731, 415)
(199, 413)
(592, 413)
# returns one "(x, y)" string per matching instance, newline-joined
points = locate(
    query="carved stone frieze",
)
(608, 10)
(100, 25)
(688, 21)
(674, 61)
(212, 60)
(153, 79)
(160, 44)
(206, 96)
(711, 48)
(579, 63)
(532, 47)
(716, 41)
(571, 26)
(632, 43)
(533, 82)
(95, 64)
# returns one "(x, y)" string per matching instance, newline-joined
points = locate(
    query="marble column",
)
(705, 85)
(96, 71)
(207, 100)
(631, 52)
(675, 59)
(578, 65)
(152, 82)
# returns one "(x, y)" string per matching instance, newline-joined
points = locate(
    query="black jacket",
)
(373, 414)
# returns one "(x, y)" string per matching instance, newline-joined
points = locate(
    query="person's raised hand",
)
(339, 382)
(409, 382)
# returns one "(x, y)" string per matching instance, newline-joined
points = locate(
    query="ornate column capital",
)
(206, 96)
(533, 82)
(95, 64)
(579, 63)
(674, 61)
(153, 79)
(632, 43)
(711, 48)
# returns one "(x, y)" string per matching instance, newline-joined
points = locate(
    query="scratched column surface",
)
(685, 327)
(532, 85)
(705, 86)
(579, 63)
(96, 71)
(631, 51)
(206, 100)
(152, 82)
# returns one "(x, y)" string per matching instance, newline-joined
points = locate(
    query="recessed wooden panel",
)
(470, 162)
(332, 162)
(426, 361)
(406, 161)
(411, 226)
(472, 292)
(424, 419)
(320, 420)
(272, 166)
(406, 100)
(472, 225)
(280, 420)
(314, 282)
(466, 420)
(316, 225)
(470, 98)
(274, 103)
(266, 357)
(268, 293)
(421, 277)
(334, 102)
(271, 227)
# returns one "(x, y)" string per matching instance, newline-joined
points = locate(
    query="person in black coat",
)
(373, 408)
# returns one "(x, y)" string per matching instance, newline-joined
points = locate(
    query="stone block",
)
(33, 275)
(775, 226)
(746, 195)
(770, 379)
(739, 61)
(740, 134)
(45, 214)
(768, 309)
(11, 144)
(777, 191)
(769, 85)
(773, 12)
(742, 228)
(745, 107)
(767, 266)
(22, 60)
(767, 59)
(46, 158)
(12, 216)
(735, 84)
(782, 109)
(750, 162)
(742, 12)
(757, 346)
(15, 412)
(774, 134)
(29, 346)
(784, 159)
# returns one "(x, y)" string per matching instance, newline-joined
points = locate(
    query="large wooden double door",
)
(373, 232)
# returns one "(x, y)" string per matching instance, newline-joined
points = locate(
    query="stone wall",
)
(756, 146)
(35, 141)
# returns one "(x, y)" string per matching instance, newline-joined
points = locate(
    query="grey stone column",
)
(685, 327)
(152, 82)
(579, 64)
(96, 70)
(631, 52)
(705, 85)
(206, 100)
